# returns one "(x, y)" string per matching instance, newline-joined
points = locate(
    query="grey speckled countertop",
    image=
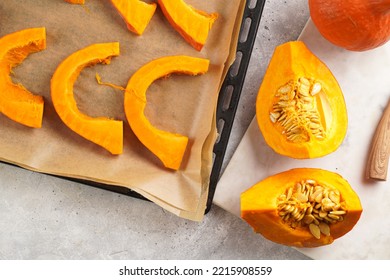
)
(44, 217)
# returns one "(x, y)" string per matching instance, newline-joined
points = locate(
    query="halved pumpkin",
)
(168, 147)
(16, 102)
(137, 14)
(103, 131)
(303, 207)
(300, 107)
(192, 24)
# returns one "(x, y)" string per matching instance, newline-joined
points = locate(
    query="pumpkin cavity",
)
(301, 110)
(312, 205)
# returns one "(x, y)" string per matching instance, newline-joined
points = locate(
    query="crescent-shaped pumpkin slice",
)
(16, 102)
(168, 147)
(103, 131)
(192, 24)
(137, 14)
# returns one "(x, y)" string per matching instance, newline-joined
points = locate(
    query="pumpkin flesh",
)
(300, 107)
(137, 14)
(168, 147)
(260, 207)
(192, 24)
(16, 102)
(102, 131)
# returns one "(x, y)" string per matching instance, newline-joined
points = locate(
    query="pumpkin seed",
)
(316, 88)
(334, 217)
(308, 219)
(337, 212)
(324, 228)
(285, 89)
(334, 197)
(315, 230)
(323, 214)
(302, 197)
(289, 193)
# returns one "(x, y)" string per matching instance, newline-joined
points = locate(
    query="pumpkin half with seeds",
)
(300, 107)
(303, 207)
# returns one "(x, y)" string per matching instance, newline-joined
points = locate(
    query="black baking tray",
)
(228, 100)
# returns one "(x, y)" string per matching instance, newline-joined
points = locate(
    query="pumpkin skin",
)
(103, 131)
(137, 14)
(168, 147)
(16, 102)
(193, 25)
(291, 63)
(356, 25)
(259, 208)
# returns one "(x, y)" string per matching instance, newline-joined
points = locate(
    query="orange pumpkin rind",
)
(105, 132)
(16, 102)
(192, 24)
(168, 147)
(259, 208)
(355, 25)
(137, 14)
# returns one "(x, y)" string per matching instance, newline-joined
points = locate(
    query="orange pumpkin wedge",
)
(137, 14)
(168, 147)
(75, 1)
(16, 102)
(193, 25)
(102, 131)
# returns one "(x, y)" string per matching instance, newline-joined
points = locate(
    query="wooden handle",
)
(380, 150)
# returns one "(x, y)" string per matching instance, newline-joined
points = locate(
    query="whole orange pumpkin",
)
(356, 25)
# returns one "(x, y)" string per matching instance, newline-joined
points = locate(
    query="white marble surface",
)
(43, 217)
(364, 79)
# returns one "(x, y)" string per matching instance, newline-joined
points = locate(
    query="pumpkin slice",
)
(75, 1)
(105, 132)
(168, 147)
(303, 207)
(193, 25)
(16, 102)
(300, 107)
(137, 14)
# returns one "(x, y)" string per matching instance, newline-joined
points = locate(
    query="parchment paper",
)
(180, 104)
